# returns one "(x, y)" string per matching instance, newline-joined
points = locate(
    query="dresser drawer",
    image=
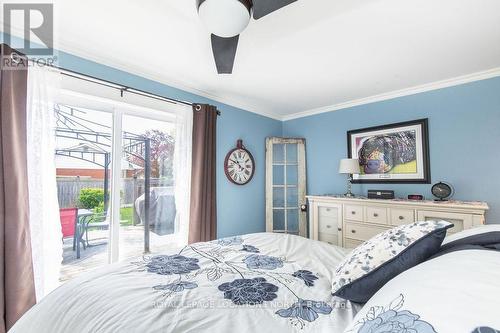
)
(328, 211)
(353, 212)
(460, 221)
(458, 225)
(362, 232)
(328, 225)
(348, 222)
(402, 216)
(329, 238)
(376, 215)
(352, 243)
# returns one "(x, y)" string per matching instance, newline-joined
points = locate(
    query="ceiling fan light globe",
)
(224, 18)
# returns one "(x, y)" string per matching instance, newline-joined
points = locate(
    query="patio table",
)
(82, 215)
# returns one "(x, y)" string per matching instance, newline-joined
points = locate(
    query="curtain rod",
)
(122, 88)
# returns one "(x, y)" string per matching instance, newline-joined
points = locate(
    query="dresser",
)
(348, 222)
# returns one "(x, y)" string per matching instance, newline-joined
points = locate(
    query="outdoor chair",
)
(68, 217)
(97, 221)
(69, 222)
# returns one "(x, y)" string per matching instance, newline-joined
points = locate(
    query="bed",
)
(245, 284)
(274, 282)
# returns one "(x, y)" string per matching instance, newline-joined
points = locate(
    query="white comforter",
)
(254, 283)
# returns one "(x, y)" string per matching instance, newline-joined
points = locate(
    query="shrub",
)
(99, 209)
(91, 198)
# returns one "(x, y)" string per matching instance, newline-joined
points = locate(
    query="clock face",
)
(441, 190)
(239, 166)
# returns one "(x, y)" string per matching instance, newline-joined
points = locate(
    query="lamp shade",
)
(225, 18)
(349, 165)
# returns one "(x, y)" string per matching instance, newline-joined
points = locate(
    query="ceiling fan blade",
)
(263, 7)
(224, 50)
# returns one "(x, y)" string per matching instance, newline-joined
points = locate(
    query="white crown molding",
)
(141, 71)
(175, 83)
(136, 70)
(478, 76)
(144, 72)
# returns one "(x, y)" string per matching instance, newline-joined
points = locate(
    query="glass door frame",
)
(118, 107)
(301, 183)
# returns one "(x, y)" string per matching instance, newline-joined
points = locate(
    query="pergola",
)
(97, 150)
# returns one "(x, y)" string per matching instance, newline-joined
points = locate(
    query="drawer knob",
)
(328, 226)
(353, 231)
(353, 212)
(328, 209)
(375, 215)
(401, 217)
(339, 229)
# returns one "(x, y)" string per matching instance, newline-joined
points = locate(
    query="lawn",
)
(126, 216)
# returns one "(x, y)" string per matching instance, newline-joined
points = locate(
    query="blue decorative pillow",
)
(369, 266)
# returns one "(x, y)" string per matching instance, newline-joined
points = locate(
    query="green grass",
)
(126, 216)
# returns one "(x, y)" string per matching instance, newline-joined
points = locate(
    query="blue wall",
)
(241, 209)
(464, 126)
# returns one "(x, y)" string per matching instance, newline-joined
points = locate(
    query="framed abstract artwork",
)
(394, 153)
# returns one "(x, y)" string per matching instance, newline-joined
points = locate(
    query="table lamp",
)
(349, 166)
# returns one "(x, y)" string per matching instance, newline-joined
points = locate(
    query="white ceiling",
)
(311, 56)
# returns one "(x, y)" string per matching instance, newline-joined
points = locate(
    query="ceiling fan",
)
(226, 19)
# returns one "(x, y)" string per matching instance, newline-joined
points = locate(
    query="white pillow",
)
(454, 293)
(471, 232)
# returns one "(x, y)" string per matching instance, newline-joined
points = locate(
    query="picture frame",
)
(393, 153)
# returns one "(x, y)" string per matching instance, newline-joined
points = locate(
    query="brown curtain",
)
(17, 289)
(203, 212)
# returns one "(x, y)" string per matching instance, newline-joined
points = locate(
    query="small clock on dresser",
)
(239, 165)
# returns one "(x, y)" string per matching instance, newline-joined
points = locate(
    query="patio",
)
(95, 256)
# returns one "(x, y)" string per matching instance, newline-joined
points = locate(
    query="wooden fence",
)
(68, 189)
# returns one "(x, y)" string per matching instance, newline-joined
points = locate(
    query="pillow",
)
(484, 229)
(456, 293)
(369, 266)
(480, 238)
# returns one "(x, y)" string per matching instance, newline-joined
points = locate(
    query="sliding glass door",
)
(147, 204)
(83, 155)
(115, 175)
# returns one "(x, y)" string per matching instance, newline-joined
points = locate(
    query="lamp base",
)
(349, 193)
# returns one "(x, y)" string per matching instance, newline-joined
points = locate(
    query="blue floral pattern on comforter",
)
(257, 279)
(392, 319)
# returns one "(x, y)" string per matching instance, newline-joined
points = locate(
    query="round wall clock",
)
(239, 165)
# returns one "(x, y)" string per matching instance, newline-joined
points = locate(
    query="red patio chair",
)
(68, 217)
